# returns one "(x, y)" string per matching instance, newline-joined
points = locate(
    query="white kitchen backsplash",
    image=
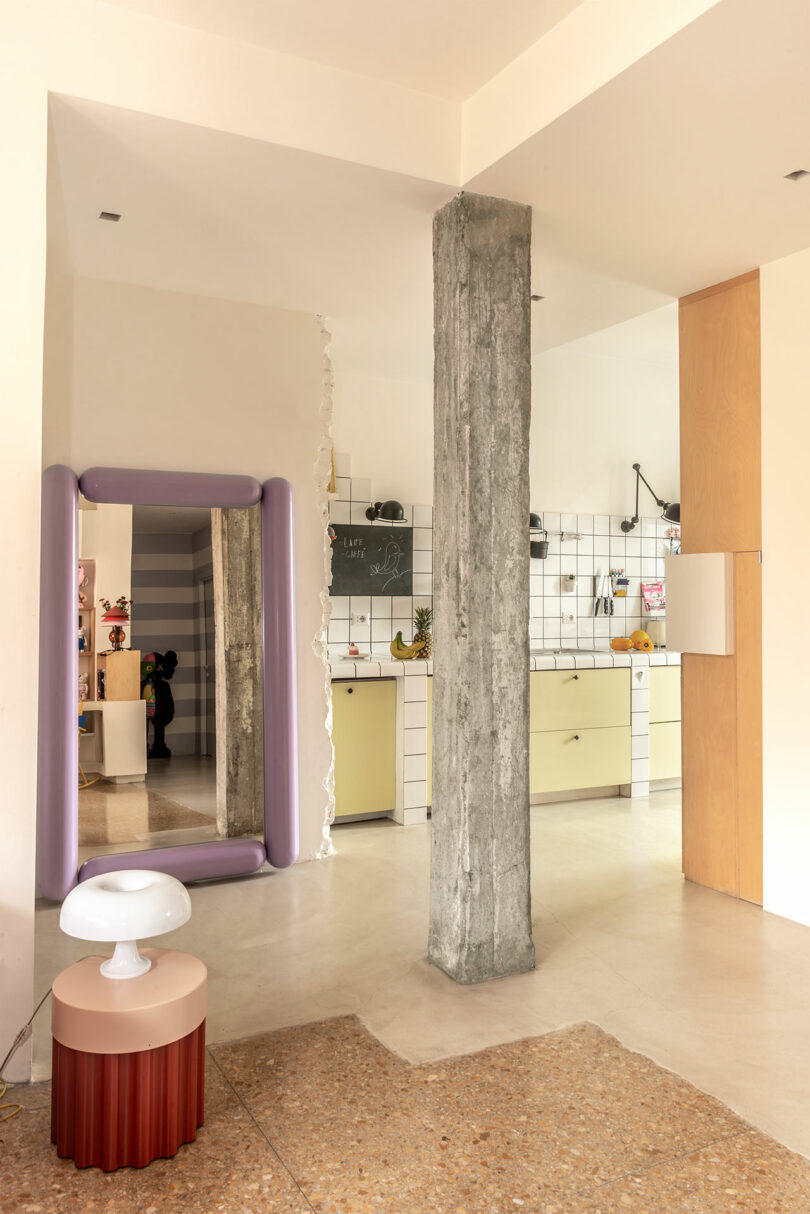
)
(373, 621)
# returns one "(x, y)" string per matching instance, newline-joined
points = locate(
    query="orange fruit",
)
(621, 644)
(638, 636)
(645, 645)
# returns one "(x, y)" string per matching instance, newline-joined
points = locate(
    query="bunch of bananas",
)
(405, 652)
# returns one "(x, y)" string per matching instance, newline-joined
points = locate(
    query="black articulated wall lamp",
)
(391, 511)
(671, 511)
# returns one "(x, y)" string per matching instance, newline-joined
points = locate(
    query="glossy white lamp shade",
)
(123, 907)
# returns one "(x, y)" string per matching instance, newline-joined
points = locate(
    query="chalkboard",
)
(372, 560)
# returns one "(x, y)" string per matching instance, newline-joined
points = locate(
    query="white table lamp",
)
(123, 907)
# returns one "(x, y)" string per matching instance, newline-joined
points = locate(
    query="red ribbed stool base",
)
(124, 1110)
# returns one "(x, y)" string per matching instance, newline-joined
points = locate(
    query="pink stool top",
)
(99, 1015)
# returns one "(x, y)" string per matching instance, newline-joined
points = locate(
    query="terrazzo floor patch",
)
(322, 1117)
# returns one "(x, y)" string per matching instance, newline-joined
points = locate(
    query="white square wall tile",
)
(601, 524)
(359, 632)
(343, 464)
(344, 488)
(381, 607)
(601, 547)
(381, 630)
(340, 513)
(401, 605)
(551, 521)
(415, 794)
(423, 583)
(358, 513)
(403, 625)
(423, 562)
(340, 606)
(423, 516)
(360, 604)
(361, 489)
(415, 741)
(415, 714)
(585, 524)
(338, 632)
(568, 522)
(422, 539)
(415, 767)
(415, 688)
(536, 629)
(641, 746)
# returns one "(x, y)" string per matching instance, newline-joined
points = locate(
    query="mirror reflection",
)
(148, 619)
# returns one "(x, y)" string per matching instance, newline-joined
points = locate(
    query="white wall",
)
(387, 427)
(785, 315)
(105, 534)
(601, 404)
(23, 136)
(208, 385)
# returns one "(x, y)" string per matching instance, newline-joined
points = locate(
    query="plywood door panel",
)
(748, 645)
(579, 699)
(721, 508)
(709, 771)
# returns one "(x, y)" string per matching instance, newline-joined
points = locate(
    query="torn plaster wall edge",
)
(322, 473)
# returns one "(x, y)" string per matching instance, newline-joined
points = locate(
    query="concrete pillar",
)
(480, 900)
(236, 549)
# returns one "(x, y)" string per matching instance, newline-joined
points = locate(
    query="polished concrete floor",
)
(322, 1117)
(707, 986)
(176, 803)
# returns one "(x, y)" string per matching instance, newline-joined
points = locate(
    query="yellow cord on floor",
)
(10, 1104)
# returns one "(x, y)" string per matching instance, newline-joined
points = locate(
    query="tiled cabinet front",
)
(580, 735)
(665, 723)
(364, 723)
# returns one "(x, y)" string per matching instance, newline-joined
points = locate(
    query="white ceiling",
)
(448, 49)
(669, 178)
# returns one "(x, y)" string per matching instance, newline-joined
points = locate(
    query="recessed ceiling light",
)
(797, 174)
(113, 216)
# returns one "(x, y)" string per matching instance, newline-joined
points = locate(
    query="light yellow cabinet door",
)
(665, 693)
(430, 740)
(364, 718)
(579, 758)
(665, 750)
(579, 699)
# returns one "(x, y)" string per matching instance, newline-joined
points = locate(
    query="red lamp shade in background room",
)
(116, 618)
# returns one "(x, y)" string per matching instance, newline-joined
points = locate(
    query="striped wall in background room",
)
(168, 570)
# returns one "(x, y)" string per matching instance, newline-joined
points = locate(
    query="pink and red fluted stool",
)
(129, 1035)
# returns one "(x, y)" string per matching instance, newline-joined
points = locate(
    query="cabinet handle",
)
(349, 691)
(576, 677)
(576, 737)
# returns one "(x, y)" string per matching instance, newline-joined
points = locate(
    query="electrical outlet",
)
(359, 618)
(567, 617)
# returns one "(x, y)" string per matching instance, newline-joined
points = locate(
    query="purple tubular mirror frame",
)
(57, 792)
(58, 731)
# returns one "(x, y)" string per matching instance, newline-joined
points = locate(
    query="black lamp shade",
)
(391, 511)
(672, 512)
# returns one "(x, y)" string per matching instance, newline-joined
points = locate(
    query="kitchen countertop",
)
(380, 667)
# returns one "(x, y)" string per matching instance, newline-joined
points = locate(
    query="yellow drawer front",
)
(579, 699)
(583, 758)
(665, 751)
(430, 740)
(665, 693)
(364, 720)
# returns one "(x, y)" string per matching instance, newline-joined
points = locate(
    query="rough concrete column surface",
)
(236, 549)
(480, 901)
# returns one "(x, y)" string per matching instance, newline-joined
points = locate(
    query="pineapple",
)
(423, 622)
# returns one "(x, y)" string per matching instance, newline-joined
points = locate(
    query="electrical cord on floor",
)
(11, 1108)
(23, 1035)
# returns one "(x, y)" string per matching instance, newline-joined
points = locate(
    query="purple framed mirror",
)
(57, 788)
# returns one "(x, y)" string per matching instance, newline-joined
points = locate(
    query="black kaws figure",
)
(165, 666)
